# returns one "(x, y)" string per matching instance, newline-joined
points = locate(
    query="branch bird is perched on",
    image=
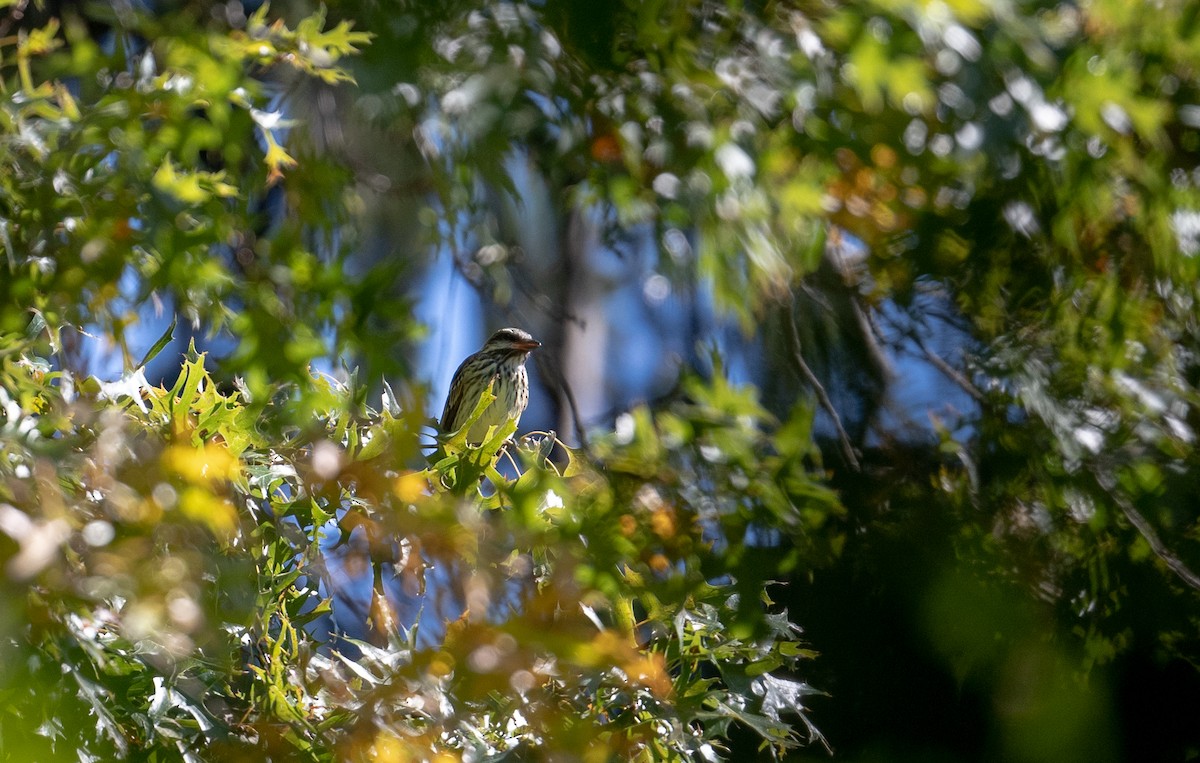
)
(500, 362)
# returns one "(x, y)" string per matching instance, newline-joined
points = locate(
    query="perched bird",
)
(500, 362)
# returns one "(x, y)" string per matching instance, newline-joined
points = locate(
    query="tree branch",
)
(558, 379)
(822, 395)
(949, 371)
(938, 362)
(1160, 549)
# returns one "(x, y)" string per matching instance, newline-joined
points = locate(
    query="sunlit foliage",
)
(174, 559)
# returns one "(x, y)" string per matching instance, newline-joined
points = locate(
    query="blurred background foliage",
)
(870, 329)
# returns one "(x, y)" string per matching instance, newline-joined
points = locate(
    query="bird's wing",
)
(457, 404)
(450, 410)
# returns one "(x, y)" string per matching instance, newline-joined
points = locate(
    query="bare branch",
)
(949, 371)
(822, 395)
(1160, 549)
(552, 373)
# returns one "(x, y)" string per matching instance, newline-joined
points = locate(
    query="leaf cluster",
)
(183, 570)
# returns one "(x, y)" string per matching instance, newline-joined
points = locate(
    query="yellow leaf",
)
(183, 187)
(66, 102)
(411, 486)
(276, 159)
(650, 671)
(208, 464)
(213, 511)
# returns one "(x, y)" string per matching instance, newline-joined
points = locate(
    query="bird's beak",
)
(532, 344)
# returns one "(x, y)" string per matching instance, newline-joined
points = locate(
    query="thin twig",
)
(504, 450)
(576, 419)
(872, 338)
(558, 379)
(1160, 549)
(556, 312)
(938, 362)
(949, 371)
(822, 395)
(15, 13)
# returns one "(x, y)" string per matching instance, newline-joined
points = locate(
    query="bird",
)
(500, 362)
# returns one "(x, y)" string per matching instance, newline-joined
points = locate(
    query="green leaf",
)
(159, 344)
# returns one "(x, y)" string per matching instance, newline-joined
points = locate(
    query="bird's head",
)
(511, 340)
